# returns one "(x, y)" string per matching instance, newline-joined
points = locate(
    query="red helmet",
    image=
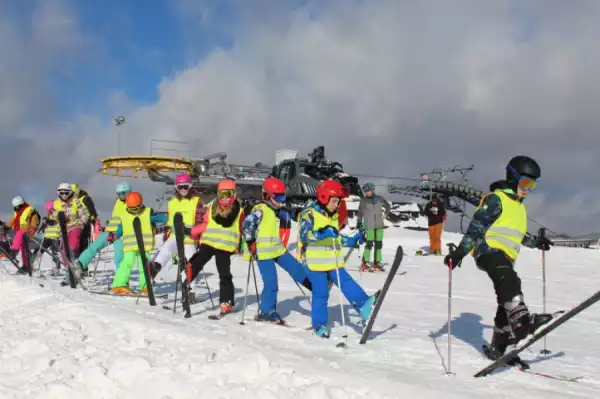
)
(273, 186)
(328, 189)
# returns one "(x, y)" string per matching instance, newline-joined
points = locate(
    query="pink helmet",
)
(49, 205)
(183, 178)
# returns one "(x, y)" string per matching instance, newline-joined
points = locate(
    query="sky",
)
(389, 87)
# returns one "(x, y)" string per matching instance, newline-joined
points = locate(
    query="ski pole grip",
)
(542, 232)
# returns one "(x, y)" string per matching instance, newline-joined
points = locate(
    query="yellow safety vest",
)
(268, 241)
(115, 219)
(187, 207)
(508, 231)
(58, 206)
(52, 231)
(220, 237)
(24, 220)
(129, 240)
(323, 255)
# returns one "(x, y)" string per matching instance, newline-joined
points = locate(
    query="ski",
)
(540, 333)
(139, 236)
(11, 260)
(133, 294)
(178, 228)
(62, 221)
(380, 298)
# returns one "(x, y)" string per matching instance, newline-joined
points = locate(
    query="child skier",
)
(323, 257)
(220, 234)
(263, 241)
(51, 229)
(495, 235)
(24, 222)
(149, 219)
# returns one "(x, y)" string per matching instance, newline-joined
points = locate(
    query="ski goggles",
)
(183, 187)
(525, 183)
(122, 194)
(226, 194)
(135, 209)
(279, 197)
(64, 193)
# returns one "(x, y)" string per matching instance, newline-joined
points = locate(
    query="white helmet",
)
(64, 187)
(17, 201)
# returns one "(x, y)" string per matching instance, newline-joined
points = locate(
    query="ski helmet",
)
(49, 206)
(183, 178)
(134, 201)
(64, 189)
(226, 193)
(328, 189)
(123, 188)
(272, 186)
(522, 166)
(369, 187)
(17, 201)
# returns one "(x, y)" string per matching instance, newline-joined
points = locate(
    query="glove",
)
(544, 244)
(111, 238)
(187, 230)
(455, 257)
(349, 241)
(327, 232)
(361, 239)
(251, 247)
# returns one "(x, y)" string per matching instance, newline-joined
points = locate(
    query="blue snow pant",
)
(98, 245)
(320, 292)
(268, 298)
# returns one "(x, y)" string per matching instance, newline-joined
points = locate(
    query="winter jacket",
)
(485, 216)
(79, 219)
(200, 227)
(435, 212)
(370, 212)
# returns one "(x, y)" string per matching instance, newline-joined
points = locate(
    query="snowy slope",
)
(61, 343)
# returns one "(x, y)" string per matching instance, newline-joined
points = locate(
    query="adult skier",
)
(324, 259)
(187, 202)
(370, 220)
(24, 222)
(219, 233)
(495, 235)
(149, 219)
(108, 237)
(263, 242)
(436, 215)
(86, 231)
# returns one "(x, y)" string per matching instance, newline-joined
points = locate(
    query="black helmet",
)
(524, 166)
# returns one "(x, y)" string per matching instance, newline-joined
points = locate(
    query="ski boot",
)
(365, 267)
(225, 308)
(191, 297)
(367, 308)
(121, 291)
(322, 332)
(377, 267)
(437, 253)
(523, 323)
(272, 317)
(501, 339)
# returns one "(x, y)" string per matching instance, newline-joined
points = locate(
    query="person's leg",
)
(87, 256)
(320, 297)
(226, 288)
(294, 269)
(121, 279)
(138, 259)
(268, 273)
(74, 235)
(118, 252)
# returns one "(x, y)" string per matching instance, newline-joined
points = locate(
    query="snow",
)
(56, 342)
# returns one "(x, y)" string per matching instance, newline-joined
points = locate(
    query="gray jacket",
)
(370, 211)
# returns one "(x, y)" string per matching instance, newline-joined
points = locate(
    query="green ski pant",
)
(98, 245)
(374, 238)
(124, 271)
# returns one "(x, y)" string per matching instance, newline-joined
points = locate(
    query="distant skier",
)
(220, 236)
(263, 241)
(436, 215)
(149, 219)
(51, 229)
(495, 235)
(24, 222)
(370, 220)
(324, 259)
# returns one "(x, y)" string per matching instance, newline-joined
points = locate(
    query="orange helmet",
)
(134, 201)
(226, 193)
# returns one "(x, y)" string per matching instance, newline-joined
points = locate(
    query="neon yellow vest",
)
(129, 241)
(58, 206)
(115, 219)
(508, 231)
(187, 208)
(52, 231)
(23, 222)
(220, 237)
(268, 241)
(323, 255)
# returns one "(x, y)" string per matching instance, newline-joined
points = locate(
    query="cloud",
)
(389, 87)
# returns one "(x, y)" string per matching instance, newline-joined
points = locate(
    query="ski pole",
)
(542, 234)
(449, 318)
(246, 296)
(208, 288)
(337, 271)
(256, 288)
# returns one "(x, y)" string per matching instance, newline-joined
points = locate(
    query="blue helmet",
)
(123, 188)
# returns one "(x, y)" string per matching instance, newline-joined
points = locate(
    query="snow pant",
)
(85, 236)
(268, 273)
(223, 261)
(320, 292)
(374, 238)
(73, 237)
(169, 247)
(98, 245)
(52, 245)
(507, 283)
(435, 237)
(124, 272)
(20, 244)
